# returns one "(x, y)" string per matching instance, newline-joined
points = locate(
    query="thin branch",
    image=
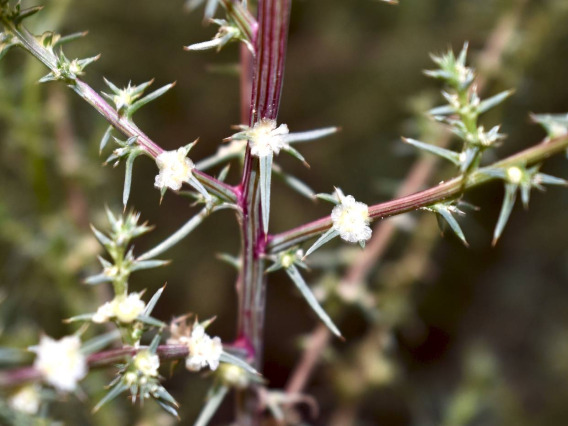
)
(119, 122)
(22, 375)
(488, 62)
(444, 191)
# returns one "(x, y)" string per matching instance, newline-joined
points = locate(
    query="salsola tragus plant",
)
(147, 342)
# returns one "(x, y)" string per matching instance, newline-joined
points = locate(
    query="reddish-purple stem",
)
(268, 71)
(270, 53)
(100, 359)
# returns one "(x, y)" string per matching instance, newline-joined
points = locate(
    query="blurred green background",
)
(480, 335)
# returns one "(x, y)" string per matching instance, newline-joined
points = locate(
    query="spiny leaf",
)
(152, 303)
(310, 135)
(103, 239)
(327, 197)
(26, 13)
(215, 398)
(97, 279)
(76, 318)
(129, 164)
(506, 208)
(151, 321)
(297, 278)
(48, 77)
(168, 408)
(239, 362)
(206, 45)
(164, 395)
(113, 393)
(329, 235)
(234, 261)
(148, 264)
(451, 220)
(223, 173)
(112, 219)
(265, 178)
(296, 154)
(555, 125)
(154, 344)
(200, 188)
(274, 267)
(149, 98)
(99, 342)
(6, 42)
(293, 182)
(550, 180)
(452, 156)
(69, 38)
(138, 90)
(112, 87)
(105, 138)
(493, 101)
(176, 237)
(468, 158)
(211, 8)
(442, 110)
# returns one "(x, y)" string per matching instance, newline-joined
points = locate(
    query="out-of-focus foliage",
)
(461, 336)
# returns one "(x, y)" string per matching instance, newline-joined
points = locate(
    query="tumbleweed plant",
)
(122, 341)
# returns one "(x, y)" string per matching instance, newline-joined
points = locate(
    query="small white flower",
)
(127, 309)
(234, 376)
(27, 400)
(147, 363)
(175, 169)
(75, 67)
(557, 130)
(124, 309)
(203, 350)
(265, 138)
(60, 362)
(104, 313)
(514, 175)
(351, 220)
(124, 98)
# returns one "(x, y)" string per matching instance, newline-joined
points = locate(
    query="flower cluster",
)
(204, 350)
(60, 362)
(124, 309)
(145, 365)
(351, 219)
(175, 169)
(140, 377)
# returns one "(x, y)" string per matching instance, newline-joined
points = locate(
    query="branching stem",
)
(268, 70)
